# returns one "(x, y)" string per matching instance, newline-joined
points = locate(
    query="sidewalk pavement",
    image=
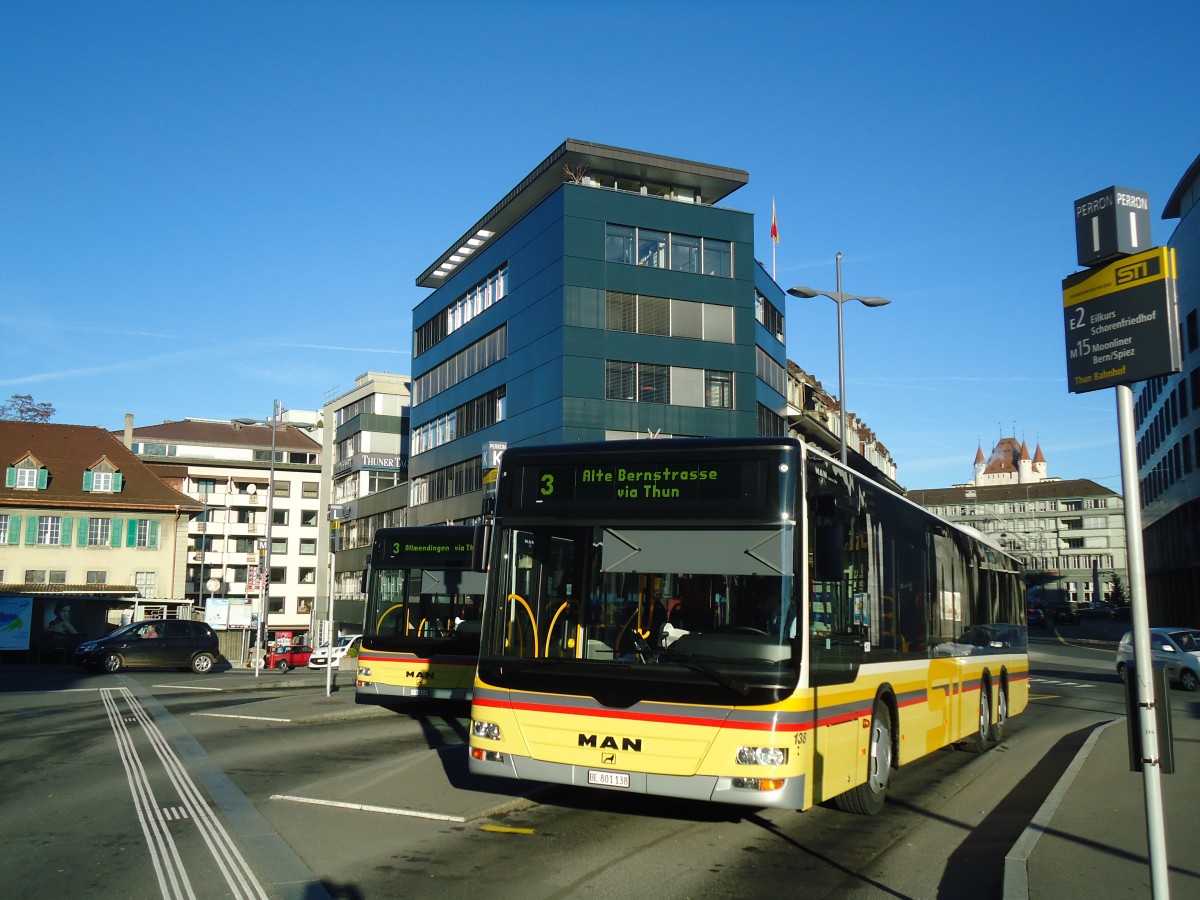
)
(1090, 836)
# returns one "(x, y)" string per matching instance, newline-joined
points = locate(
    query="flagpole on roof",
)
(774, 238)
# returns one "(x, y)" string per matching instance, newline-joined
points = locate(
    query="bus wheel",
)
(867, 799)
(980, 740)
(996, 731)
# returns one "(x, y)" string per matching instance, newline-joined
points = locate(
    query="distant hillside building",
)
(1069, 533)
(88, 535)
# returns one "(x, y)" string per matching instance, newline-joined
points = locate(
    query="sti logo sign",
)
(1111, 223)
(1122, 322)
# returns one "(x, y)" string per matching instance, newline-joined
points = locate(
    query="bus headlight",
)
(762, 756)
(487, 730)
(364, 671)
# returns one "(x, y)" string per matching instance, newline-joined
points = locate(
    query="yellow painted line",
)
(504, 829)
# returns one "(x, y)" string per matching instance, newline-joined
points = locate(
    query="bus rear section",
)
(740, 621)
(424, 603)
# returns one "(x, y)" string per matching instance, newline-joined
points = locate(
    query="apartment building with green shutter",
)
(88, 534)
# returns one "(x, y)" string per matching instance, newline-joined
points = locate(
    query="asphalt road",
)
(176, 785)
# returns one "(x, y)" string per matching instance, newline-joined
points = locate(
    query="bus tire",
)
(996, 731)
(867, 799)
(981, 739)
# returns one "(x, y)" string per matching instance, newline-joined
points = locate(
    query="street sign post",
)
(1122, 322)
(1122, 326)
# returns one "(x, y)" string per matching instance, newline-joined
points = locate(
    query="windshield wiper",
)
(734, 684)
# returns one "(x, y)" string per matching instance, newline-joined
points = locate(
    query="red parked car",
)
(284, 658)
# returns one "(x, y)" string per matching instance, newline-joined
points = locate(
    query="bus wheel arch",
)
(868, 798)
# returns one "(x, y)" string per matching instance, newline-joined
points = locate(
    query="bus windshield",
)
(423, 603)
(714, 604)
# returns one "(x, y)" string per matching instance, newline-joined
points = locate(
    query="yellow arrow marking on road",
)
(504, 829)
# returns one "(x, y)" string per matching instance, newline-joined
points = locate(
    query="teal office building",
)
(606, 296)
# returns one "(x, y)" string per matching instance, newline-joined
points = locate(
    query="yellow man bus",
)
(734, 620)
(421, 634)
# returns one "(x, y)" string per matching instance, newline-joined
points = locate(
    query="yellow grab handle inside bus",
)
(532, 622)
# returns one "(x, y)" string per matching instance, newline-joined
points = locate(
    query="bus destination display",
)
(430, 552)
(639, 485)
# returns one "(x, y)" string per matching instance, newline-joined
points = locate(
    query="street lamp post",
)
(265, 574)
(839, 298)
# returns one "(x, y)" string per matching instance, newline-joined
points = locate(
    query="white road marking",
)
(366, 807)
(172, 876)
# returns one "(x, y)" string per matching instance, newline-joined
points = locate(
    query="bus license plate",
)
(608, 779)
(418, 692)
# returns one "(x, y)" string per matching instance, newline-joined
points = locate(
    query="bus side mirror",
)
(828, 544)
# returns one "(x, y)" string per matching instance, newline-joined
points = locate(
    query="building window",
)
(243, 545)
(718, 258)
(472, 416)
(308, 576)
(618, 243)
(308, 546)
(278, 545)
(620, 379)
(770, 372)
(310, 490)
(308, 518)
(645, 314)
(718, 389)
(144, 533)
(685, 253)
(99, 532)
(652, 248)
(4, 529)
(768, 316)
(57, 576)
(663, 250)
(452, 481)
(144, 582)
(279, 516)
(206, 485)
(653, 383)
(282, 488)
(486, 351)
(97, 576)
(278, 575)
(35, 576)
(479, 298)
(770, 424)
(49, 530)
(102, 482)
(27, 475)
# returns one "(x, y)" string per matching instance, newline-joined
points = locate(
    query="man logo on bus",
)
(420, 676)
(608, 742)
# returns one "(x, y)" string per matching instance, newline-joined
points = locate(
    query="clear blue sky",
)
(205, 206)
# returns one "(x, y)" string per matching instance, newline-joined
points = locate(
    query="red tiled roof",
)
(228, 434)
(66, 452)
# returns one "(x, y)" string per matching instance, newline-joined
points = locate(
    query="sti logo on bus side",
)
(608, 742)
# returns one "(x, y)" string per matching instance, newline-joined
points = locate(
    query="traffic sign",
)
(1122, 322)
